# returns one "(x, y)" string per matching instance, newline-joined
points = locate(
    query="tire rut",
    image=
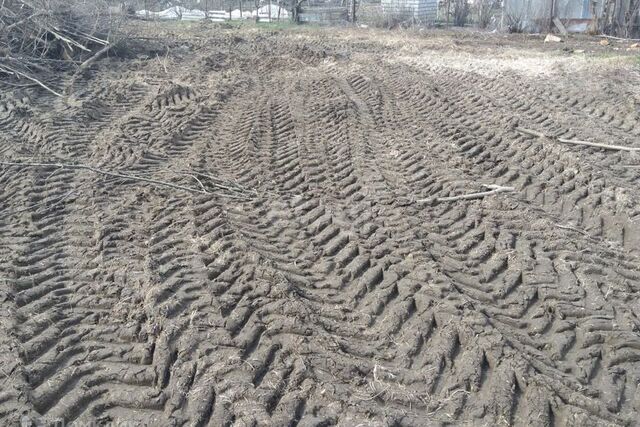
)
(331, 293)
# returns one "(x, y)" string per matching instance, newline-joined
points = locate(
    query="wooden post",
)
(241, 16)
(269, 9)
(594, 25)
(448, 11)
(353, 11)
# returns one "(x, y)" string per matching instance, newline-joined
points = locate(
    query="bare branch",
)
(6, 69)
(578, 142)
(493, 189)
(115, 175)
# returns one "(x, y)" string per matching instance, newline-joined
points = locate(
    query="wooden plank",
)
(560, 26)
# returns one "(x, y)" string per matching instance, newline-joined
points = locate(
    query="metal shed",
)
(537, 15)
(575, 15)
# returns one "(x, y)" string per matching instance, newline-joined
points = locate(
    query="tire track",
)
(329, 296)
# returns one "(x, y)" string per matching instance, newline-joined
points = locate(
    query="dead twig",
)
(86, 64)
(9, 70)
(99, 54)
(229, 186)
(531, 132)
(621, 39)
(19, 85)
(163, 62)
(39, 38)
(568, 227)
(375, 396)
(106, 173)
(22, 21)
(195, 178)
(577, 142)
(36, 206)
(493, 189)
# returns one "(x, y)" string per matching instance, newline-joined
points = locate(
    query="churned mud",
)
(293, 273)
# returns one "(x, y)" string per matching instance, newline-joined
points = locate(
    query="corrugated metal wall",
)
(573, 9)
(535, 14)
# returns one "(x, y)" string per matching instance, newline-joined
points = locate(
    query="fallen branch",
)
(494, 189)
(40, 38)
(9, 70)
(531, 132)
(230, 186)
(70, 42)
(99, 54)
(618, 38)
(196, 178)
(18, 85)
(568, 227)
(578, 142)
(86, 64)
(114, 175)
(34, 208)
(28, 18)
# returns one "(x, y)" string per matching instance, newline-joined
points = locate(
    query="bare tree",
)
(484, 10)
(618, 18)
(461, 9)
(631, 19)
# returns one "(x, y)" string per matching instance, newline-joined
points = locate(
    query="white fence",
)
(179, 13)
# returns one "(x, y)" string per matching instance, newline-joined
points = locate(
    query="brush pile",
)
(39, 38)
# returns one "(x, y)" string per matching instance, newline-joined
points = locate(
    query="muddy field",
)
(255, 237)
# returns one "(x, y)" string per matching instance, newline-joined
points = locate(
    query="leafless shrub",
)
(631, 20)
(396, 20)
(515, 23)
(461, 9)
(39, 37)
(373, 15)
(484, 10)
(617, 18)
